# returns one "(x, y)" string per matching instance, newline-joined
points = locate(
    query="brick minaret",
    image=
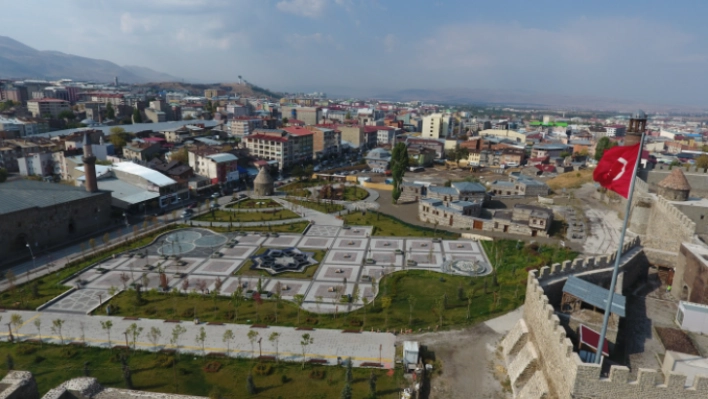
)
(637, 126)
(89, 166)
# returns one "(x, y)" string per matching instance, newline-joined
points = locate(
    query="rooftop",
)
(148, 174)
(19, 195)
(676, 180)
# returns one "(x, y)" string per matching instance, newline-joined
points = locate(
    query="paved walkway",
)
(327, 345)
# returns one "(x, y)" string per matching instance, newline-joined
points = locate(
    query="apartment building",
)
(435, 126)
(244, 125)
(218, 167)
(47, 107)
(326, 142)
(287, 147)
(136, 151)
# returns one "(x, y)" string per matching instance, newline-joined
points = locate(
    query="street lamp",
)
(31, 253)
(125, 215)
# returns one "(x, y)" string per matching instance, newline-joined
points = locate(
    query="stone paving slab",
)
(290, 287)
(386, 258)
(79, 301)
(356, 231)
(462, 246)
(316, 242)
(337, 273)
(238, 252)
(218, 267)
(251, 239)
(113, 279)
(282, 241)
(323, 231)
(350, 244)
(386, 244)
(248, 283)
(422, 246)
(322, 288)
(191, 264)
(427, 260)
(328, 344)
(344, 257)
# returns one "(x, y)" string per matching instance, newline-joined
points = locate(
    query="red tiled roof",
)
(369, 129)
(298, 131)
(266, 137)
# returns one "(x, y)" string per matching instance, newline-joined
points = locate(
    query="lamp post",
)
(125, 215)
(31, 253)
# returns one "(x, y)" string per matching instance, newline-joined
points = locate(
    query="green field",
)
(38, 291)
(322, 206)
(254, 204)
(354, 193)
(490, 296)
(54, 364)
(385, 225)
(228, 216)
(309, 272)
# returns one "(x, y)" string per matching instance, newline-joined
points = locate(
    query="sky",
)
(648, 50)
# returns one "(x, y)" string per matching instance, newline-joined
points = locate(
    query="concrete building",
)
(23, 127)
(353, 134)
(548, 150)
(420, 156)
(412, 192)
(309, 115)
(615, 130)
(220, 168)
(459, 191)
(244, 125)
(47, 214)
(47, 107)
(519, 185)
(434, 144)
(378, 159)
(154, 115)
(523, 219)
(458, 214)
(143, 152)
(263, 183)
(435, 126)
(211, 93)
(38, 164)
(287, 148)
(326, 142)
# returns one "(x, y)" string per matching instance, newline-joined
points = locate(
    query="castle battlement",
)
(544, 362)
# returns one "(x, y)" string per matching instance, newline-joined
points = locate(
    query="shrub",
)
(229, 315)
(184, 371)
(317, 374)
(39, 359)
(68, 352)
(150, 311)
(284, 379)
(355, 322)
(212, 367)
(311, 320)
(189, 313)
(262, 369)
(164, 361)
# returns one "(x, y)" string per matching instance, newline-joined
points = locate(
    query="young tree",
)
(228, 338)
(154, 336)
(110, 112)
(237, 298)
(200, 339)
(385, 305)
(106, 326)
(365, 301)
(106, 238)
(275, 338)
(57, 325)
(318, 301)
(374, 288)
(346, 392)
(440, 309)
(299, 299)
(124, 278)
(16, 321)
(137, 118)
(306, 341)
(252, 338)
(277, 295)
(185, 285)
(11, 278)
(470, 296)
(177, 333)
(38, 324)
(349, 375)
(372, 384)
(250, 386)
(411, 304)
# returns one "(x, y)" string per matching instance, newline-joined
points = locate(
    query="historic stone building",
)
(263, 183)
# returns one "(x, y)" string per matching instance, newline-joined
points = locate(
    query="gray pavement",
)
(328, 344)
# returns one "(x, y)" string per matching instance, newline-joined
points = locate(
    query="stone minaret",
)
(89, 165)
(637, 126)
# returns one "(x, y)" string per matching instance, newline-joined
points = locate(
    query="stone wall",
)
(18, 385)
(697, 178)
(545, 364)
(667, 227)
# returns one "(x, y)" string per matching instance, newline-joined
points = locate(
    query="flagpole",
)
(613, 283)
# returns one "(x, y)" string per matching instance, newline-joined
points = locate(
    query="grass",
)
(490, 297)
(324, 206)
(385, 225)
(228, 216)
(309, 272)
(48, 286)
(54, 364)
(302, 184)
(295, 228)
(255, 204)
(354, 193)
(573, 179)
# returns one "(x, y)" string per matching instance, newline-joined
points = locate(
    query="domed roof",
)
(640, 114)
(263, 177)
(675, 181)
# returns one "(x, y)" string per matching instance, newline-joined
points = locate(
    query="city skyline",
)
(635, 51)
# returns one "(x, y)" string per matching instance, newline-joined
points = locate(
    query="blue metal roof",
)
(594, 295)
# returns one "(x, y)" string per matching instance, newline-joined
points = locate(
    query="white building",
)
(435, 126)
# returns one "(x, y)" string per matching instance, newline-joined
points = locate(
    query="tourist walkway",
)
(328, 345)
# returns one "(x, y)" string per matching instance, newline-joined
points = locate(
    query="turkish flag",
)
(616, 169)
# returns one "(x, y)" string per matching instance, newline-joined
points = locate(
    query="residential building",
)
(38, 164)
(218, 167)
(519, 185)
(211, 93)
(309, 115)
(23, 127)
(244, 125)
(548, 150)
(434, 144)
(284, 147)
(385, 135)
(510, 134)
(378, 159)
(420, 156)
(458, 214)
(523, 219)
(182, 133)
(47, 107)
(459, 191)
(435, 126)
(411, 192)
(616, 130)
(142, 152)
(114, 98)
(155, 115)
(326, 142)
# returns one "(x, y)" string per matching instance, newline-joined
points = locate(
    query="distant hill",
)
(522, 98)
(19, 61)
(242, 90)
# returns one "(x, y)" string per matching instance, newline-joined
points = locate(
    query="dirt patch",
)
(676, 340)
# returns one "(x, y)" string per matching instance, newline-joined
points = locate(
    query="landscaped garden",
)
(243, 217)
(192, 375)
(254, 204)
(30, 295)
(307, 274)
(295, 228)
(415, 299)
(320, 206)
(385, 225)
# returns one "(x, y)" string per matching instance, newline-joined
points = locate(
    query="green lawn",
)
(354, 193)
(295, 228)
(309, 272)
(302, 184)
(228, 216)
(25, 296)
(54, 364)
(323, 206)
(255, 204)
(385, 225)
(490, 297)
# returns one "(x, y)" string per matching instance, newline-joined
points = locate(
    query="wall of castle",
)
(697, 178)
(698, 214)
(668, 227)
(563, 371)
(53, 225)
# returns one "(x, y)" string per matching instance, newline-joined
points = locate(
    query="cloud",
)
(130, 24)
(299, 41)
(390, 42)
(304, 8)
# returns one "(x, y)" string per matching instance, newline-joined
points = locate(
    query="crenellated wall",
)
(545, 365)
(667, 227)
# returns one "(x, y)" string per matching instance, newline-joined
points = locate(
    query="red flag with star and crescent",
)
(616, 169)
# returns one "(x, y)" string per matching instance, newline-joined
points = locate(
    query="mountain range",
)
(19, 61)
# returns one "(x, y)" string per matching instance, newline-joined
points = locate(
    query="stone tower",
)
(89, 165)
(674, 187)
(263, 183)
(637, 126)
